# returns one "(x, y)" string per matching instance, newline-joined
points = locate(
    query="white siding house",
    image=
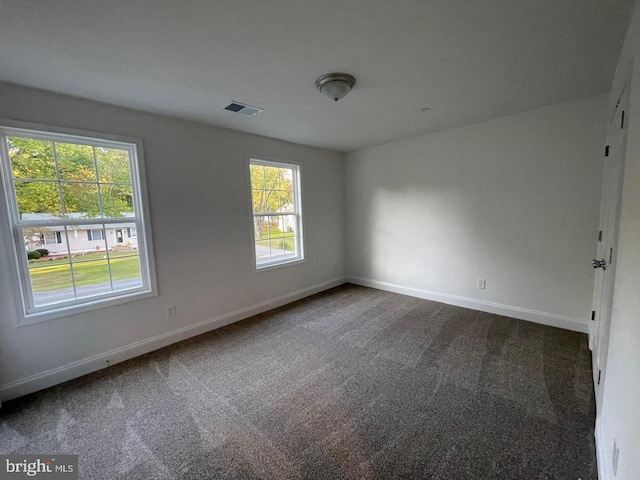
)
(82, 238)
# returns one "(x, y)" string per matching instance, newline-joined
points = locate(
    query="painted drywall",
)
(513, 200)
(619, 416)
(197, 184)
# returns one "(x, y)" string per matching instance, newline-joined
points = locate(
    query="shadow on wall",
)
(514, 201)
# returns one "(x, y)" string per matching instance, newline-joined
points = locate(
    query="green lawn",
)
(56, 275)
(275, 234)
(49, 261)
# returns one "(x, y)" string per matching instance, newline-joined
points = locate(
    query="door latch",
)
(600, 264)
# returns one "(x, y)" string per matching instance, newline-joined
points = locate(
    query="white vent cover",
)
(242, 108)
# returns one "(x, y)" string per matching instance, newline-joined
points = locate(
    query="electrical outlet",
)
(482, 283)
(614, 457)
(171, 311)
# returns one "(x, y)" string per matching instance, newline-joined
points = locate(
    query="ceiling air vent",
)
(242, 108)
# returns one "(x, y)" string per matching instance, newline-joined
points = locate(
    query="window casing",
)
(277, 213)
(57, 185)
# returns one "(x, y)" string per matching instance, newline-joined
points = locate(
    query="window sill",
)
(70, 310)
(274, 266)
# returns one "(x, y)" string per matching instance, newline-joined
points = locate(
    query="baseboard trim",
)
(76, 369)
(603, 473)
(545, 318)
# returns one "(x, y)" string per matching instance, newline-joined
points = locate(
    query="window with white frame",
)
(95, 234)
(277, 213)
(50, 238)
(57, 185)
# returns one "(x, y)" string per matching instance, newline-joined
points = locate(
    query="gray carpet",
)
(350, 383)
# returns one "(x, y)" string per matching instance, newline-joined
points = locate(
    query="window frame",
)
(299, 212)
(92, 238)
(56, 234)
(10, 223)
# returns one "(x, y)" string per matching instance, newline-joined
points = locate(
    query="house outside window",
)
(70, 192)
(277, 213)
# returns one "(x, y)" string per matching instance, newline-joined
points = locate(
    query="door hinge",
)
(593, 314)
(606, 151)
(622, 120)
(610, 255)
(599, 376)
(600, 236)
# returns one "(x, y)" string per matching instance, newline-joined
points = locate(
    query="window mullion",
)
(95, 166)
(71, 271)
(57, 164)
(106, 247)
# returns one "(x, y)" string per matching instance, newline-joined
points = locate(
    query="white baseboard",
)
(603, 472)
(76, 369)
(545, 318)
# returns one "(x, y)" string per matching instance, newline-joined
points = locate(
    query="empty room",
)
(286, 239)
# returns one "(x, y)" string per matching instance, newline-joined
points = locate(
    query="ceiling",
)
(468, 60)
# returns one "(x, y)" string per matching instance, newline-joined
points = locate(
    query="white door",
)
(605, 261)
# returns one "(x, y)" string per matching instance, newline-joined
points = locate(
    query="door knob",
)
(600, 264)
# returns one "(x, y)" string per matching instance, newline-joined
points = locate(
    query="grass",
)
(277, 240)
(56, 275)
(50, 261)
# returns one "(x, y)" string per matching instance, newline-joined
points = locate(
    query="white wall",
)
(619, 418)
(513, 200)
(197, 183)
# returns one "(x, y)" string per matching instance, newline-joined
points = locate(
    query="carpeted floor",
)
(350, 383)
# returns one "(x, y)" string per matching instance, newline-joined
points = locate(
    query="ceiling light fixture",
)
(335, 85)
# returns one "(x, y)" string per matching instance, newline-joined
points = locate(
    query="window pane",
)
(258, 198)
(129, 237)
(271, 201)
(50, 280)
(257, 177)
(287, 201)
(45, 238)
(31, 158)
(117, 200)
(289, 225)
(80, 200)
(263, 251)
(91, 277)
(125, 269)
(76, 162)
(113, 165)
(88, 243)
(286, 178)
(38, 199)
(277, 250)
(271, 178)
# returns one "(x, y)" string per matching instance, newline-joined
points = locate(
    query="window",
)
(277, 222)
(71, 192)
(95, 234)
(50, 238)
(132, 233)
